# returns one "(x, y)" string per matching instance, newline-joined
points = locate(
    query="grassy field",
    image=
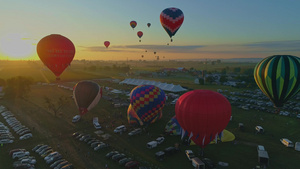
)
(51, 130)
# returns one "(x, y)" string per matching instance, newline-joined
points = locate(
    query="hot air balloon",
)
(140, 34)
(142, 56)
(56, 52)
(148, 24)
(278, 77)
(203, 114)
(173, 127)
(132, 117)
(106, 44)
(171, 19)
(133, 24)
(154, 53)
(148, 101)
(86, 95)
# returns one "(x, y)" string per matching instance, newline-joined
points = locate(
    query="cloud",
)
(276, 46)
(133, 48)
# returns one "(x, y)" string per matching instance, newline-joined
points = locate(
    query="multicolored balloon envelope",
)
(56, 52)
(133, 24)
(140, 34)
(132, 117)
(148, 101)
(86, 95)
(203, 114)
(278, 77)
(171, 19)
(173, 127)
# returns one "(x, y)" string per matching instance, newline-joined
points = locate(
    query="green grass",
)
(53, 130)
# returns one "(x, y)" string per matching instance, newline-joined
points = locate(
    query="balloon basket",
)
(57, 78)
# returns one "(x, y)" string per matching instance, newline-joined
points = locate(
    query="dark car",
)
(60, 165)
(54, 158)
(88, 139)
(95, 144)
(75, 134)
(123, 161)
(92, 141)
(68, 166)
(208, 163)
(170, 150)
(117, 157)
(79, 135)
(110, 154)
(132, 164)
(56, 163)
(36, 147)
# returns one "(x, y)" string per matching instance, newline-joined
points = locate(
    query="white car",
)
(76, 118)
(4, 141)
(160, 140)
(120, 129)
(20, 154)
(26, 136)
(97, 125)
(51, 155)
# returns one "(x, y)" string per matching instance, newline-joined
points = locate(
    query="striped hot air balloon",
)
(132, 117)
(278, 77)
(171, 19)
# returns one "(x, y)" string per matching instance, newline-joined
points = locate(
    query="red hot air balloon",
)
(86, 95)
(171, 19)
(203, 114)
(133, 24)
(140, 34)
(106, 44)
(56, 52)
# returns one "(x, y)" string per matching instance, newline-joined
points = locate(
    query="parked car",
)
(61, 164)
(56, 163)
(100, 146)
(132, 164)
(53, 159)
(26, 136)
(135, 132)
(170, 150)
(28, 160)
(5, 141)
(76, 118)
(20, 154)
(44, 154)
(97, 125)
(125, 160)
(160, 140)
(108, 155)
(36, 147)
(15, 150)
(190, 155)
(51, 155)
(208, 163)
(117, 157)
(120, 129)
(68, 166)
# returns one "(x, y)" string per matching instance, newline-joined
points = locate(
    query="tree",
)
(209, 79)
(237, 69)
(56, 105)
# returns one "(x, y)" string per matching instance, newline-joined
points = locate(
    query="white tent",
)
(163, 86)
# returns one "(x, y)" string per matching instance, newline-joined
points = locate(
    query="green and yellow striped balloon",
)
(278, 77)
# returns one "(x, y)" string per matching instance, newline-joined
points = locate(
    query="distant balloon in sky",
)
(171, 19)
(148, 24)
(133, 24)
(278, 77)
(140, 34)
(154, 53)
(56, 52)
(106, 44)
(86, 95)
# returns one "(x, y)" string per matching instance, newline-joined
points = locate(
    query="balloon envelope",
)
(106, 44)
(139, 34)
(148, 101)
(148, 24)
(171, 19)
(278, 77)
(132, 117)
(203, 114)
(133, 24)
(56, 52)
(86, 95)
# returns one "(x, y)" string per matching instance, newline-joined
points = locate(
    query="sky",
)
(212, 29)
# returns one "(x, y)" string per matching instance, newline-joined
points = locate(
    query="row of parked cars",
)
(23, 160)
(52, 158)
(122, 159)
(95, 143)
(5, 134)
(23, 131)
